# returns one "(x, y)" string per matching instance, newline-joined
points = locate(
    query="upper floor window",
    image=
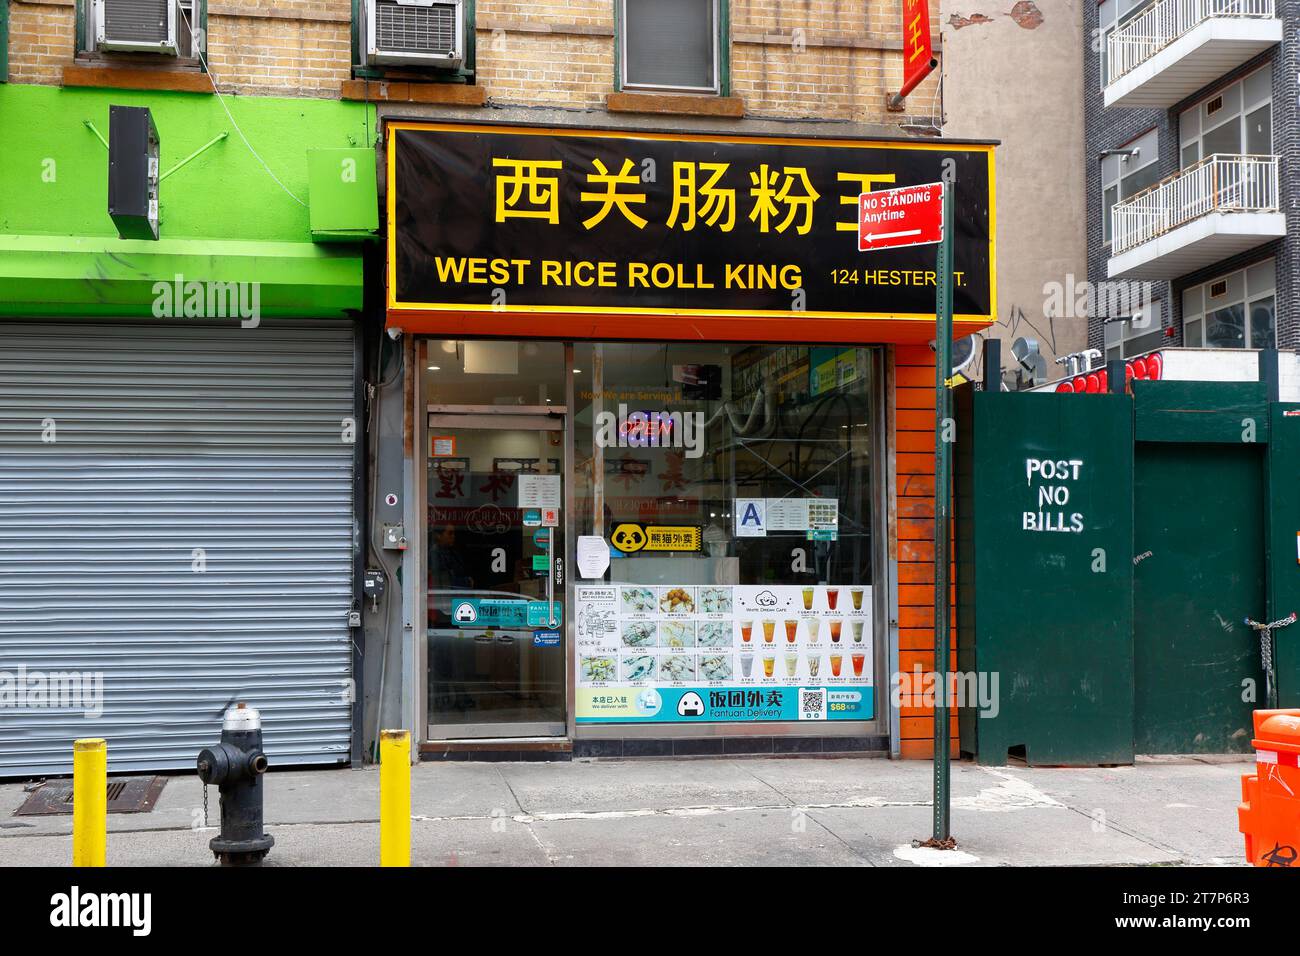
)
(1235, 121)
(670, 45)
(1124, 176)
(1236, 311)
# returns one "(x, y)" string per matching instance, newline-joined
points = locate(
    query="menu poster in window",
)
(823, 519)
(711, 653)
(787, 514)
(539, 491)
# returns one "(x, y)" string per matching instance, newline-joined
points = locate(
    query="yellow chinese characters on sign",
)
(631, 538)
(611, 197)
(916, 39)
(543, 200)
(865, 183)
(672, 538)
(772, 191)
(687, 197)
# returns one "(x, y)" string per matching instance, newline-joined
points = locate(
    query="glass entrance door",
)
(494, 560)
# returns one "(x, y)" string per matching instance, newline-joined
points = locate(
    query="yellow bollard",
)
(89, 802)
(394, 798)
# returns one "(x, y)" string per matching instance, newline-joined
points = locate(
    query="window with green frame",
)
(4, 41)
(672, 46)
(188, 19)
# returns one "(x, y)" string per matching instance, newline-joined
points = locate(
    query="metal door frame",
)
(501, 418)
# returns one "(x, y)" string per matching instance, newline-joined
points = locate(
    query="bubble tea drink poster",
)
(681, 653)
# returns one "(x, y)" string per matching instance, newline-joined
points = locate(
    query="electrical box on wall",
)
(394, 537)
(343, 194)
(133, 172)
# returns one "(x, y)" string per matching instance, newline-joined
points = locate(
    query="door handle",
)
(550, 578)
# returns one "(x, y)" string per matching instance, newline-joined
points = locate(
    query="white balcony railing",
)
(1144, 36)
(1218, 183)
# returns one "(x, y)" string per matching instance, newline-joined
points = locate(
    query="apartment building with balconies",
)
(1190, 127)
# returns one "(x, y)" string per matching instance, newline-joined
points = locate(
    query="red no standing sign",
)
(908, 216)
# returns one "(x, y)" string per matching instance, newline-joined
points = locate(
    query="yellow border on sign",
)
(390, 294)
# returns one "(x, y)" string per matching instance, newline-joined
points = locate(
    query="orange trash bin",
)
(1269, 814)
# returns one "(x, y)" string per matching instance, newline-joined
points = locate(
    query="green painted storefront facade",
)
(223, 218)
(204, 387)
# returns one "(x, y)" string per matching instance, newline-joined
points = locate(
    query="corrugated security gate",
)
(176, 520)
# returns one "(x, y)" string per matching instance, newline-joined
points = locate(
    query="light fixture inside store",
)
(435, 368)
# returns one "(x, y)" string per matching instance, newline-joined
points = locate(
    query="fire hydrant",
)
(236, 766)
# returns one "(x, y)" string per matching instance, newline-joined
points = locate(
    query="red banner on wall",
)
(918, 46)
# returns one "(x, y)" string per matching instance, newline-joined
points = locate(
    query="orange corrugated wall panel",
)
(914, 447)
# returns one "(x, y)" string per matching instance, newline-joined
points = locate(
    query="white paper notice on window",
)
(787, 514)
(539, 491)
(593, 556)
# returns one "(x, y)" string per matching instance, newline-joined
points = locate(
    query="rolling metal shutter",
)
(176, 514)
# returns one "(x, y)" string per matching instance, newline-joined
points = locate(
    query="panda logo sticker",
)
(629, 538)
(690, 705)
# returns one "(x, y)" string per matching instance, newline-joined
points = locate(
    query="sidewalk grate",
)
(125, 795)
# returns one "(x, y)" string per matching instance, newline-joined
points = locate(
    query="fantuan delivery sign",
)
(502, 222)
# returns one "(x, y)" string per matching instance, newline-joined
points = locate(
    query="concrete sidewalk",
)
(734, 812)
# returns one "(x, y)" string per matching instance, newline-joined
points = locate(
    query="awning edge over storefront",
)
(797, 329)
(61, 276)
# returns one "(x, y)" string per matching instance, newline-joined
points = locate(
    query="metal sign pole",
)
(942, 498)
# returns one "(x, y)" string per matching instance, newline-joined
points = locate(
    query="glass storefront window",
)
(489, 372)
(733, 485)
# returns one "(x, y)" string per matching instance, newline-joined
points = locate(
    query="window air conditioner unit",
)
(139, 26)
(415, 32)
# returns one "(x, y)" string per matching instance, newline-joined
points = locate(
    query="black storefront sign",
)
(561, 220)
